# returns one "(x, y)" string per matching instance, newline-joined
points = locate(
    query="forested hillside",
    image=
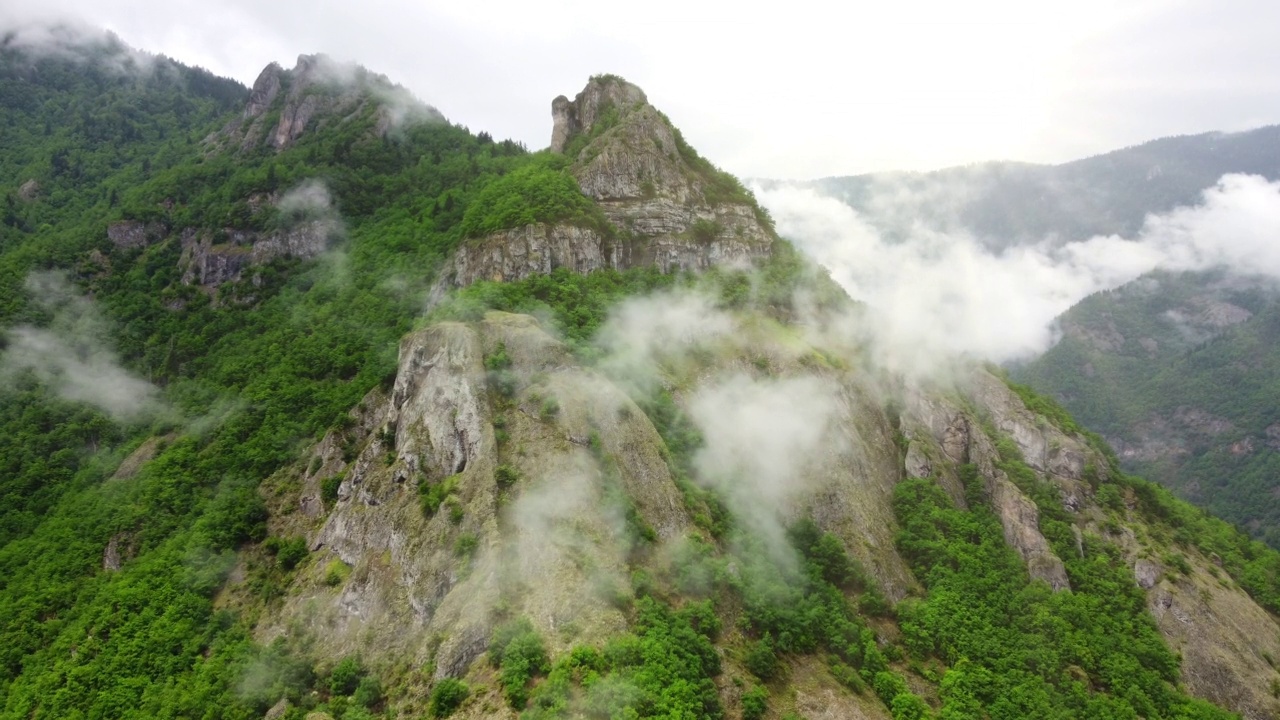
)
(316, 405)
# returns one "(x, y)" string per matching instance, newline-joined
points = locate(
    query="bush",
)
(1109, 496)
(433, 495)
(346, 676)
(505, 476)
(705, 231)
(465, 545)
(336, 573)
(542, 191)
(761, 659)
(447, 696)
(290, 552)
(329, 489)
(550, 408)
(517, 649)
(754, 703)
(368, 693)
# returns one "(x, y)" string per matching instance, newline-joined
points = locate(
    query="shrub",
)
(1110, 497)
(433, 495)
(447, 696)
(329, 489)
(754, 703)
(550, 408)
(336, 573)
(517, 650)
(540, 192)
(761, 659)
(346, 676)
(466, 545)
(705, 231)
(368, 693)
(456, 513)
(291, 552)
(505, 476)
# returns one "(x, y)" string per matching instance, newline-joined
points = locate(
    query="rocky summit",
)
(666, 206)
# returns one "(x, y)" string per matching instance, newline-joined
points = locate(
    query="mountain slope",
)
(1178, 372)
(673, 486)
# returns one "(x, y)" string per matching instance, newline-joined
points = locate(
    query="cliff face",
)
(210, 259)
(669, 208)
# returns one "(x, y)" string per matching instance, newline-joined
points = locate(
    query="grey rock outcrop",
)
(29, 190)
(1146, 573)
(265, 90)
(131, 234)
(209, 264)
(602, 94)
(1021, 521)
(668, 208)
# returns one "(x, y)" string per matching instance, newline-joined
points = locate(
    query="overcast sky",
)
(797, 89)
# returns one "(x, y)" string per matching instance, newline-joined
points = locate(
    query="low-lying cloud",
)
(939, 295)
(73, 354)
(763, 442)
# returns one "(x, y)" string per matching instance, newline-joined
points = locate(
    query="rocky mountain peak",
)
(666, 206)
(602, 94)
(264, 92)
(318, 90)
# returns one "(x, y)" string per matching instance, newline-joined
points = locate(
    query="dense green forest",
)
(246, 375)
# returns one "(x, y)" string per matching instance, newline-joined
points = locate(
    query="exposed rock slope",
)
(555, 544)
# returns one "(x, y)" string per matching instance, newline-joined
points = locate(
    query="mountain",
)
(1007, 203)
(320, 406)
(1178, 371)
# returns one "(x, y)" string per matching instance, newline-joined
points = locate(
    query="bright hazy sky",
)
(788, 90)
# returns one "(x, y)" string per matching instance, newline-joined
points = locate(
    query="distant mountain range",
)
(1008, 203)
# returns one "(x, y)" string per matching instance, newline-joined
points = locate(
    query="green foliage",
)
(517, 650)
(754, 703)
(663, 668)
(329, 489)
(541, 191)
(466, 544)
(706, 231)
(446, 697)
(579, 304)
(549, 409)
(1016, 647)
(1110, 497)
(761, 660)
(433, 495)
(368, 693)
(346, 676)
(505, 476)
(336, 572)
(288, 551)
